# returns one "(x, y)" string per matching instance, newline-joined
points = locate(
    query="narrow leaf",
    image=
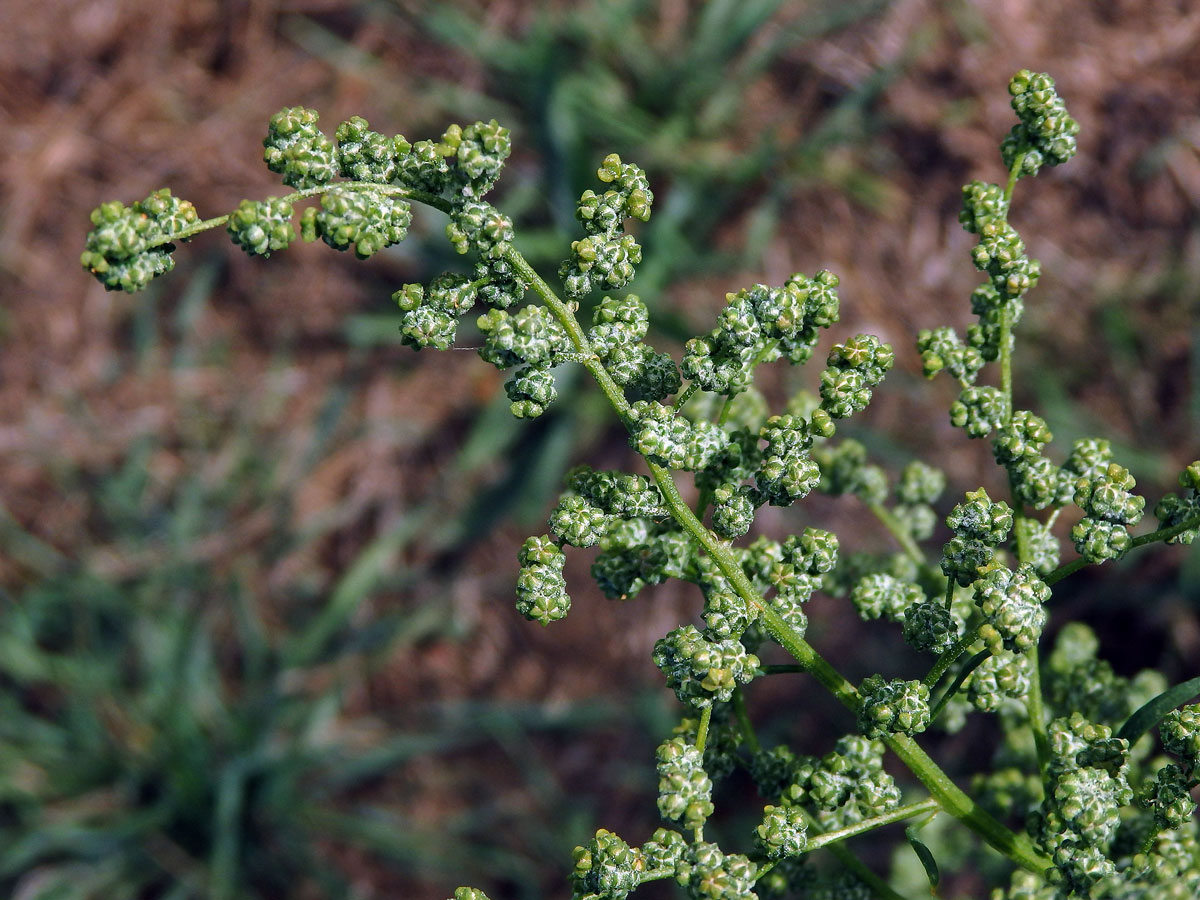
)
(1150, 714)
(924, 855)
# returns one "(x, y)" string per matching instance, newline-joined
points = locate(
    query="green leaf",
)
(924, 854)
(1150, 714)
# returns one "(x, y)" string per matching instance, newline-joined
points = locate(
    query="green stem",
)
(968, 667)
(949, 796)
(744, 723)
(899, 532)
(899, 814)
(946, 660)
(702, 728)
(685, 395)
(1037, 713)
(850, 862)
(1162, 534)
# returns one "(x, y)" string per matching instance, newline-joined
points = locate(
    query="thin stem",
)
(946, 660)
(850, 862)
(898, 814)
(744, 723)
(702, 728)
(685, 395)
(1162, 534)
(899, 532)
(968, 667)
(1037, 713)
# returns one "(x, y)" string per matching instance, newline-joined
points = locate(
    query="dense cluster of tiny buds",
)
(1002, 676)
(684, 788)
(1110, 507)
(541, 587)
(128, 247)
(929, 627)
(979, 526)
(893, 707)
(702, 671)
(1013, 605)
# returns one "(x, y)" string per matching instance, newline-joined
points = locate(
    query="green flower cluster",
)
(1013, 606)
(760, 324)
(1180, 731)
(1046, 133)
(1109, 508)
(979, 526)
(541, 587)
(662, 436)
(128, 247)
(882, 595)
(1175, 509)
(606, 257)
(893, 707)
(841, 788)
(701, 671)
(263, 226)
(365, 218)
(787, 473)
(298, 150)
(617, 335)
(1087, 786)
(684, 788)
(782, 832)
(744, 457)
(609, 869)
(929, 627)
(919, 487)
(708, 873)
(1002, 676)
(853, 368)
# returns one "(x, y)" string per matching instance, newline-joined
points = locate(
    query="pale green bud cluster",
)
(606, 257)
(979, 526)
(760, 324)
(1046, 133)
(893, 707)
(262, 227)
(880, 595)
(1110, 507)
(853, 368)
(609, 869)
(128, 247)
(363, 218)
(701, 671)
(1087, 787)
(684, 788)
(298, 150)
(671, 440)
(1175, 509)
(843, 787)
(1002, 676)
(707, 873)
(787, 473)
(541, 587)
(782, 832)
(1013, 605)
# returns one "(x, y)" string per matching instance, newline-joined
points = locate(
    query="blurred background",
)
(257, 559)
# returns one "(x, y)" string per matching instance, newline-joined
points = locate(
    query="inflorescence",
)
(1102, 817)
